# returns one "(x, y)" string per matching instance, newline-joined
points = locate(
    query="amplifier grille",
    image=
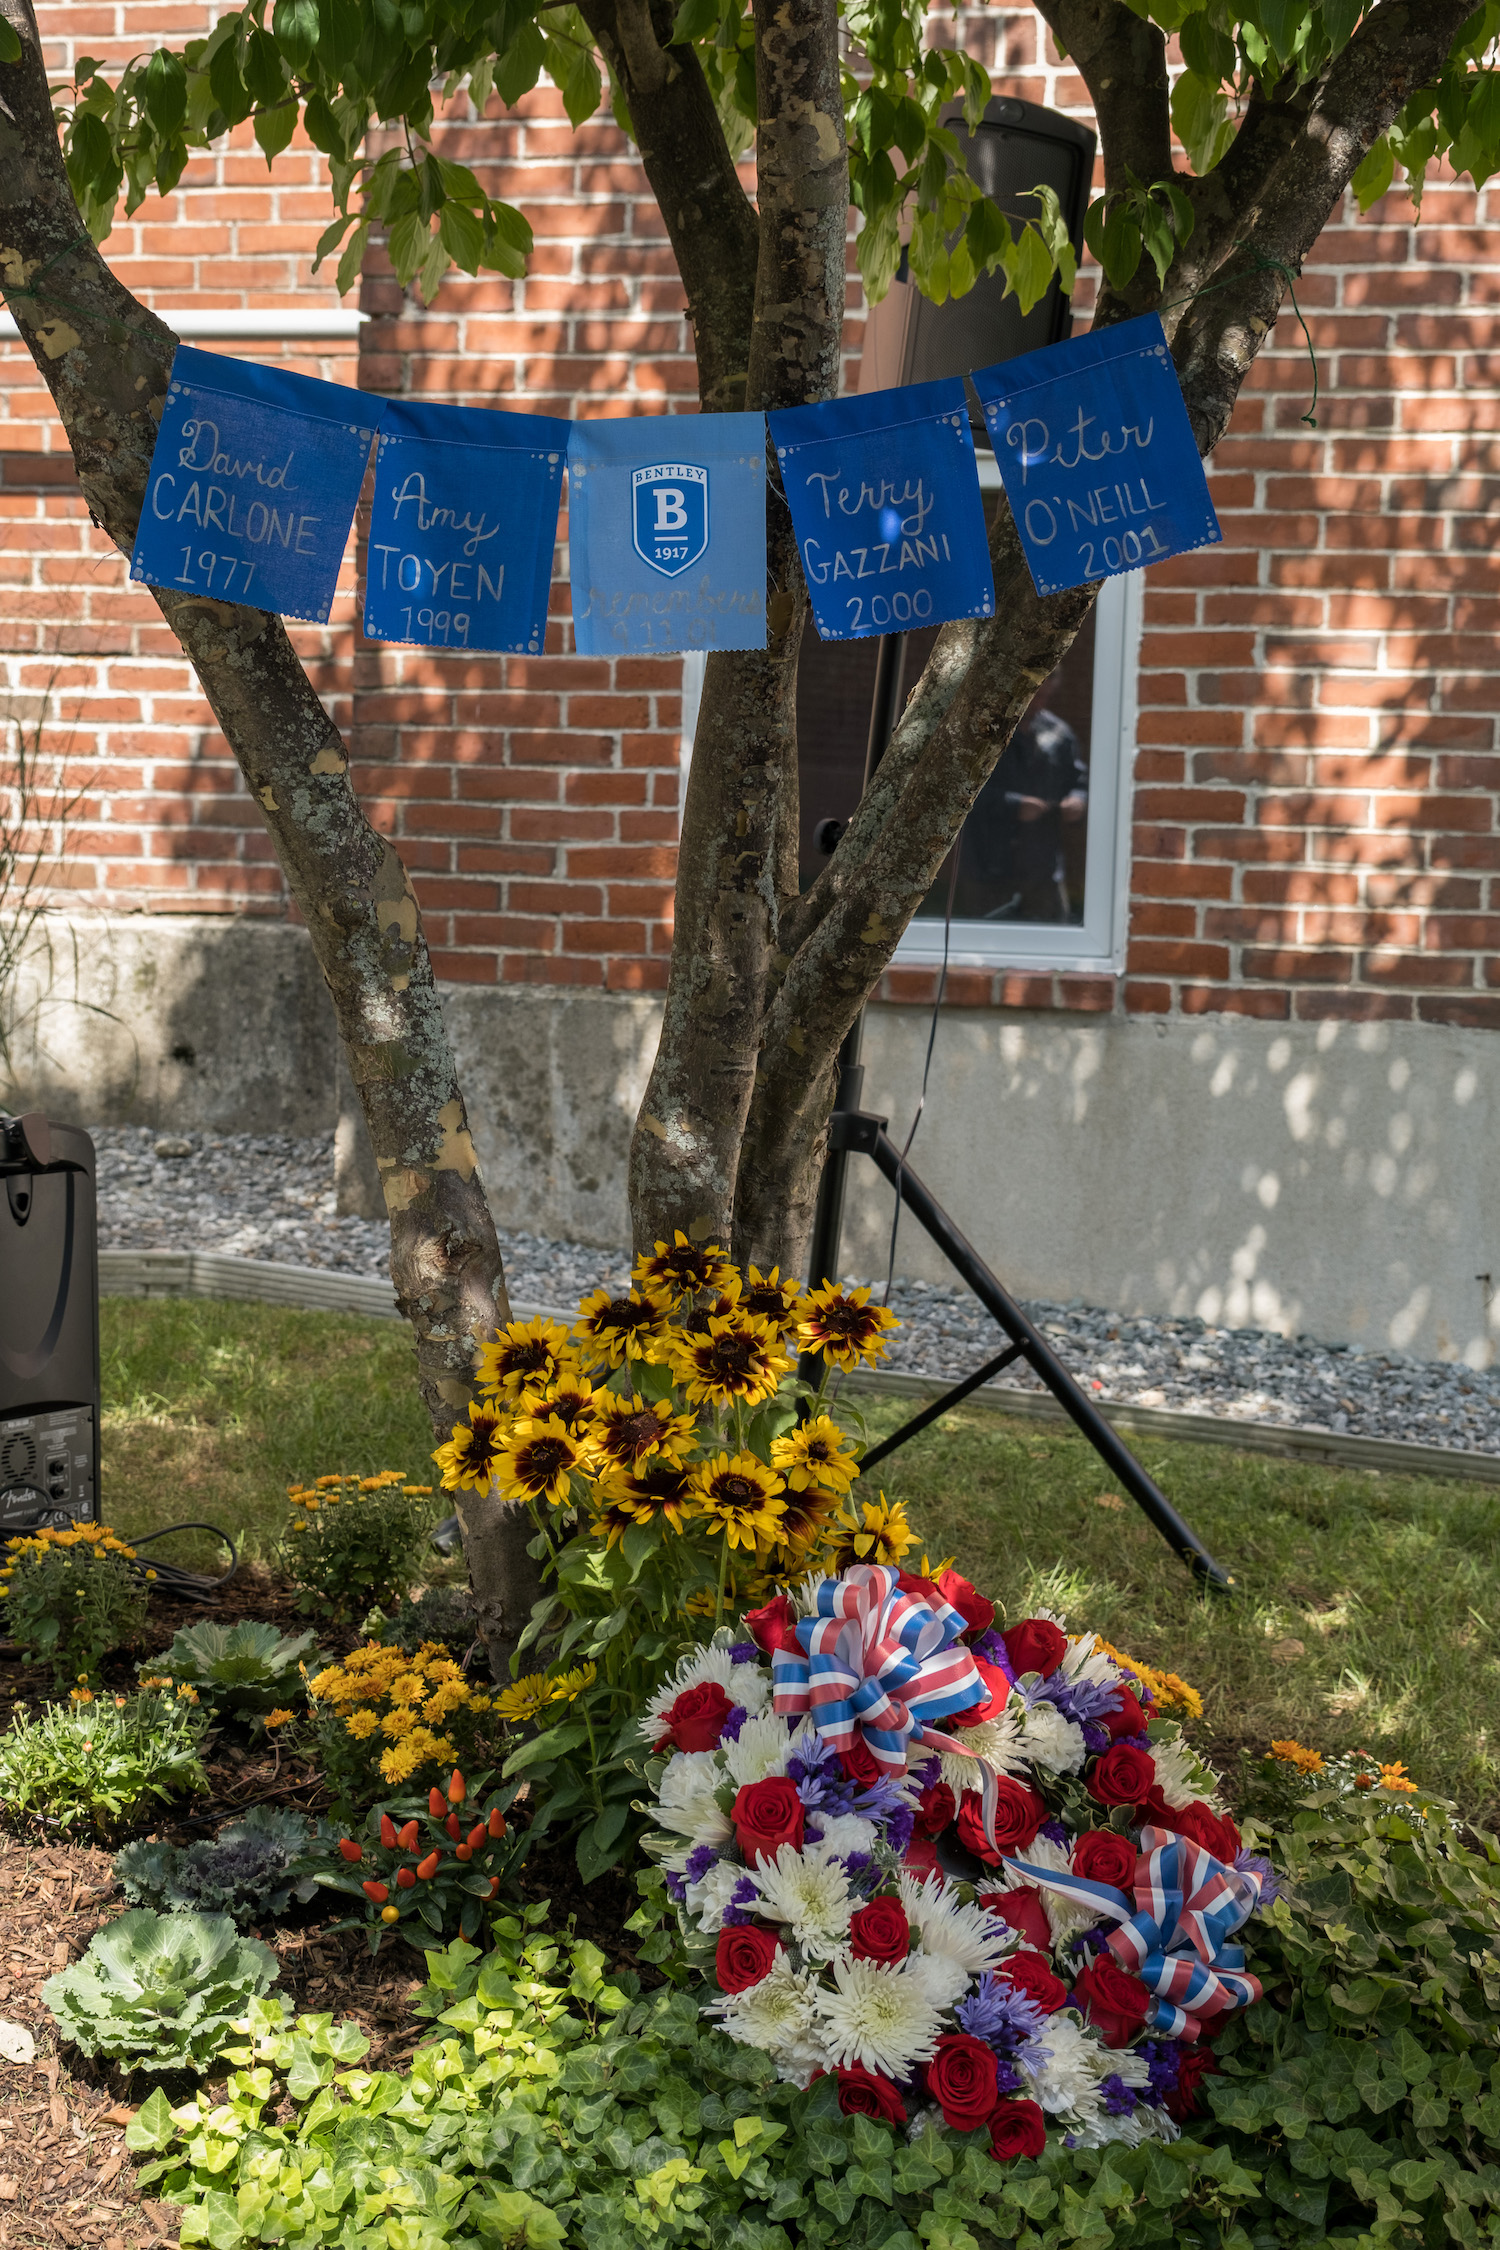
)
(19, 1459)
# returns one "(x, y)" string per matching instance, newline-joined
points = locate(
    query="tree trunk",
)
(106, 361)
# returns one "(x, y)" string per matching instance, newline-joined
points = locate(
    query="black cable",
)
(172, 1578)
(890, 1267)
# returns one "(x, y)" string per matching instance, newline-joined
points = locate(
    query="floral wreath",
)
(978, 1876)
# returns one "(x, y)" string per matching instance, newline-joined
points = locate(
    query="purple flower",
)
(1055, 1833)
(1095, 1738)
(744, 1652)
(730, 1731)
(1008, 2079)
(676, 1888)
(991, 1649)
(1000, 2015)
(699, 1860)
(1119, 2099)
(742, 1904)
(1251, 1863)
(1162, 2057)
(1084, 1699)
(1091, 1942)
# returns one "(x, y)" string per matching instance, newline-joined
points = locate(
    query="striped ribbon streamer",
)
(1175, 1933)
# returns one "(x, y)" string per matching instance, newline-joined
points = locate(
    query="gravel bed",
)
(272, 1197)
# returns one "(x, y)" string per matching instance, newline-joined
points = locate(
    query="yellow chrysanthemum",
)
(539, 1461)
(1296, 1754)
(467, 1461)
(1169, 1692)
(1396, 1777)
(844, 1326)
(526, 1352)
(280, 1718)
(738, 1359)
(525, 1699)
(870, 1531)
(815, 1455)
(629, 1431)
(680, 1271)
(741, 1497)
(614, 1328)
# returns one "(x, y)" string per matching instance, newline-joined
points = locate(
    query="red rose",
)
(766, 1815)
(920, 1857)
(1115, 2002)
(1029, 1973)
(1104, 1857)
(696, 1719)
(1129, 1719)
(1019, 1813)
(1035, 1645)
(859, 1763)
(978, 1614)
(994, 1703)
(1199, 1823)
(1017, 2129)
(1125, 1775)
(962, 2080)
(864, 2093)
(922, 1588)
(775, 1626)
(880, 1931)
(1194, 2064)
(1021, 1909)
(743, 1956)
(935, 1809)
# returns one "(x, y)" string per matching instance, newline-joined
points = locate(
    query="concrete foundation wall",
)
(1331, 1179)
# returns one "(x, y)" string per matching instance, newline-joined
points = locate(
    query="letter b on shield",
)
(669, 515)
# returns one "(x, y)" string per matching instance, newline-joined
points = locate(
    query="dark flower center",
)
(738, 1491)
(540, 1461)
(623, 1316)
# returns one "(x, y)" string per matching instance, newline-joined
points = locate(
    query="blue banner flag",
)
(463, 527)
(886, 506)
(253, 484)
(667, 533)
(1097, 455)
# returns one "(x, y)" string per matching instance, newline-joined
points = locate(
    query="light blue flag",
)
(1097, 455)
(667, 533)
(253, 484)
(463, 527)
(885, 502)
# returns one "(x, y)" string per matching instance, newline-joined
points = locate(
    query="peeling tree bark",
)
(106, 361)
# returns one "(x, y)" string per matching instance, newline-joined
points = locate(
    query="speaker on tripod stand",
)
(49, 1326)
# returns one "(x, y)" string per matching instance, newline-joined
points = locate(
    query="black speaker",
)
(1018, 146)
(49, 1326)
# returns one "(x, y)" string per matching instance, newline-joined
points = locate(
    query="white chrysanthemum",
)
(1065, 1917)
(780, 2016)
(995, 1743)
(763, 1748)
(1099, 2128)
(706, 1900)
(1180, 1776)
(1051, 1741)
(976, 1940)
(845, 1834)
(880, 2017)
(1085, 1664)
(1068, 2080)
(809, 1892)
(745, 1684)
(944, 1981)
(685, 1802)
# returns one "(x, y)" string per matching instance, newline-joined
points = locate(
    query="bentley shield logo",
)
(669, 516)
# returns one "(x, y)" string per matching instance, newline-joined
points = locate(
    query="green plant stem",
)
(723, 1578)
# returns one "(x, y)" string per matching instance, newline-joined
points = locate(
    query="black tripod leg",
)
(971, 1268)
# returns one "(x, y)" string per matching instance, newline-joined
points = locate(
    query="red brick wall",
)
(1315, 804)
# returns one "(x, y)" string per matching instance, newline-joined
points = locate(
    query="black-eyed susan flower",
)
(610, 1516)
(737, 1359)
(843, 1325)
(614, 1328)
(468, 1460)
(539, 1460)
(519, 1355)
(569, 1395)
(628, 1431)
(681, 1269)
(768, 1297)
(870, 1531)
(738, 1495)
(808, 1522)
(815, 1454)
(659, 1489)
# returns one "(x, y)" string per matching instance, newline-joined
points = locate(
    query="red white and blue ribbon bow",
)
(879, 1664)
(1175, 1933)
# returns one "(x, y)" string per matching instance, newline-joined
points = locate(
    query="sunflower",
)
(628, 1430)
(815, 1454)
(540, 1459)
(742, 1498)
(870, 1531)
(469, 1457)
(569, 1395)
(843, 1325)
(681, 1271)
(770, 1298)
(660, 1488)
(809, 1516)
(524, 1352)
(736, 1359)
(621, 1327)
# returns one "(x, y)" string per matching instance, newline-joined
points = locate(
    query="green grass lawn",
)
(1366, 1610)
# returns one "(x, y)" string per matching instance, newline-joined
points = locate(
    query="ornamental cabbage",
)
(160, 1991)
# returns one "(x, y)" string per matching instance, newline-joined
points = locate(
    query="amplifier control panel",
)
(46, 1469)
